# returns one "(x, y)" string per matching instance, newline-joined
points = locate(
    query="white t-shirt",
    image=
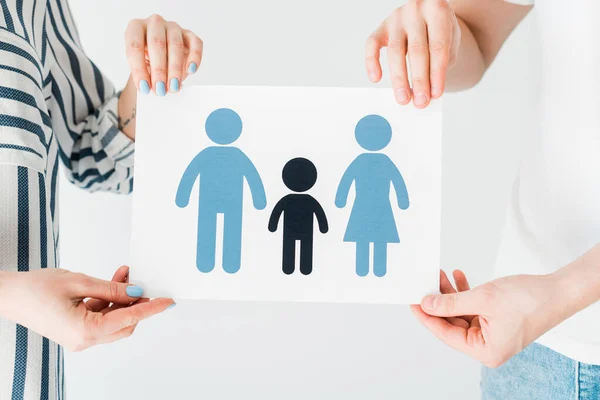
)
(554, 211)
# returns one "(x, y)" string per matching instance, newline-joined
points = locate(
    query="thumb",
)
(469, 302)
(115, 292)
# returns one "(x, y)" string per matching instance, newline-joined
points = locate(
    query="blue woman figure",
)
(372, 218)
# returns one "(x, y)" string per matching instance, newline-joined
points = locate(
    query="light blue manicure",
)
(160, 89)
(171, 306)
(174, 86)
(134, 291)
(192, 68)
(144, 87)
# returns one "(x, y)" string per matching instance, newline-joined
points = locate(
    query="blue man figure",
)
(222, 170)
(372, 218)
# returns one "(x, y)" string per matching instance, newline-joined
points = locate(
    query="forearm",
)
(578, 284)
(11, 283)
(469, 66)
(127, 109)
(485, 25)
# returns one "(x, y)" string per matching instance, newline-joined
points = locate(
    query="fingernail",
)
(372, 76)
(171, 306)
(144, 87)
(429, 302)
(134, 291)
(420, 99)
(192, 68)
(401, 95)
(174, 86)
(435, 91)
(160, 88)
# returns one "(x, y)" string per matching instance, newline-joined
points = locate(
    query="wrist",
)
(127, 109)
(578, 284)
(9, 282)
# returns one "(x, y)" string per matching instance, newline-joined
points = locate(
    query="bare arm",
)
(498, 319)
(485, 25)
(445, 45)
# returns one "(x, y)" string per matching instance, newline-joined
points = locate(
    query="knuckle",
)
(132, 24)
(442, 5)
(372, 40)
(176, 44)
(113, 290)
(175, 68)
(419, 82)
(438, 46)
(196, 42)
(172, 25)
(158, 43)
(398, 79)
(417, 47)
(135, 46)
(155, 18)
(159, 71)
(451, 300)
(397, 44)
(196, 54)
(80, 280)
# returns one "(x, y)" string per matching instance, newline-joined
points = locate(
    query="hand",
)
(161, 54)
(51, 303)
(426, 30)
(494, 321)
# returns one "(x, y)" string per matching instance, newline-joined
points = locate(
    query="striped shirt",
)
(54, 104)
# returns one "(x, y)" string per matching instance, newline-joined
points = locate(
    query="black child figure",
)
(299, 175)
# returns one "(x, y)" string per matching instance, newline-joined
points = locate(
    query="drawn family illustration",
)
(223, 168)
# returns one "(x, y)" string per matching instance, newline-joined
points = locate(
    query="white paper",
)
(280, 124)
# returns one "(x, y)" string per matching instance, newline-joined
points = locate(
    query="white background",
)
(229, 350)
(280, 124)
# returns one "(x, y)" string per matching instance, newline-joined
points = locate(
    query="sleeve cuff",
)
(117, 146)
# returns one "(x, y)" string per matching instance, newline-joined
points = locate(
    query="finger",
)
(156, 38)
(439, 32)
(462, 284)
(375, 42)
(175, 48)
(471, 302)
(418, 57)
(467, 341)
(115, 306)
(122, 334)
(460, 322)
(109, 291)
(195, 48)
(135, 45)
(397, 63)
(445, 284)
(119, 319)
(121, 275)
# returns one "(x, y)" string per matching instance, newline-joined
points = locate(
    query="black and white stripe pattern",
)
(54, 104)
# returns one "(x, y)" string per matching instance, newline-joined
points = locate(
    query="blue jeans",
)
(538, 373)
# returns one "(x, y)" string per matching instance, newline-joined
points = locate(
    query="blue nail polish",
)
(192, 68)
(134, 291)
(174, 86)
(144, 87)
(171, 306)
(160, 89)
